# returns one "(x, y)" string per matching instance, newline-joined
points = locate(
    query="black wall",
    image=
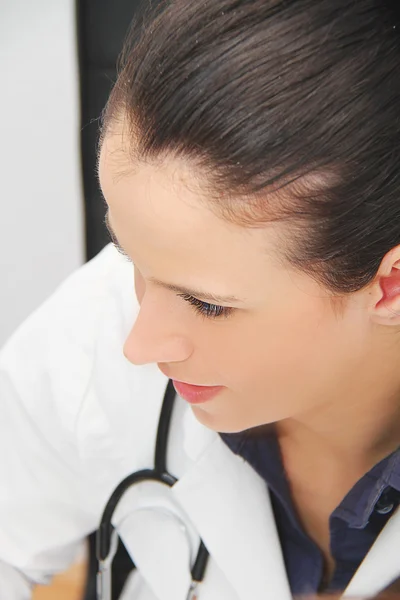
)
(102, 26)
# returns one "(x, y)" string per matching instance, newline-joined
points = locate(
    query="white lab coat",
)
(77, 417)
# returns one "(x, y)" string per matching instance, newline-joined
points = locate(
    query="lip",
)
(196, 394)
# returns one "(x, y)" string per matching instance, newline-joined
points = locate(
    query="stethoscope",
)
(107, 536)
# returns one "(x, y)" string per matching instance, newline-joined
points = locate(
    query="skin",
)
(324, 370)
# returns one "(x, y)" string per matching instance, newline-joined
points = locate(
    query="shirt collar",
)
(358, 505)
(260, 448)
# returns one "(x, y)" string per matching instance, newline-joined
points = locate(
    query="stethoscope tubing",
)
(106, 531)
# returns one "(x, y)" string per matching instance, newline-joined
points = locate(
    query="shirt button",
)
(387, 501)
(384, 510)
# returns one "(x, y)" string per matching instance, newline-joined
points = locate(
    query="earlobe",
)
(385, 296)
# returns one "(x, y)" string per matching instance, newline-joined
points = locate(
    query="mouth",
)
(196, 394)
(191, 392)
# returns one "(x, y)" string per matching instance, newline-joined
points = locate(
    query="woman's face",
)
(276, 344)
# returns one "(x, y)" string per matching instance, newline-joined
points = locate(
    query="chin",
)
(228, 422)
(221, 423)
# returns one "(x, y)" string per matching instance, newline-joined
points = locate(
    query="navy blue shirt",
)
(354, 524)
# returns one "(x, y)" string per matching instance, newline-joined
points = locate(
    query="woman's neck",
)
(360, 428)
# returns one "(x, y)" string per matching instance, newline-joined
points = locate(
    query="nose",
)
(156, 338)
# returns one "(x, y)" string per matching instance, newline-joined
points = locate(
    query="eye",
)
(211, 311)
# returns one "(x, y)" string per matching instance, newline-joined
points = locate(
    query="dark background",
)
(102, 28)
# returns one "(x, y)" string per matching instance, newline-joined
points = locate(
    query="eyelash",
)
(210, 311)
(205, 309)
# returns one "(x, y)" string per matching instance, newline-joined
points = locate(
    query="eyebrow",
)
(180, 289)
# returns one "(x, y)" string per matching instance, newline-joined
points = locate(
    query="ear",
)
(384, 294)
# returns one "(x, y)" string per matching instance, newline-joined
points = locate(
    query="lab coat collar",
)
(229, 505)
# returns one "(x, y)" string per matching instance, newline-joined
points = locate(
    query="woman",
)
(250, 164)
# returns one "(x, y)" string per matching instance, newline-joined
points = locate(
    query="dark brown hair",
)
(263, 93)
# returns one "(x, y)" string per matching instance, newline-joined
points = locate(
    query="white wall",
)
(41, 205)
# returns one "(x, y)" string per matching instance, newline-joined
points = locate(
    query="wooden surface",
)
(71, 586)
(68, 586)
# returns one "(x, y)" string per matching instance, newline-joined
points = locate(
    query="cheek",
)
(273, 369)
(278, 348)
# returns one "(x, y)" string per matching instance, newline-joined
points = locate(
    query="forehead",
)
(162, 218)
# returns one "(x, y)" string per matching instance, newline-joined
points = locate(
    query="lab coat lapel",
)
(229, 505)
(381, 566)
